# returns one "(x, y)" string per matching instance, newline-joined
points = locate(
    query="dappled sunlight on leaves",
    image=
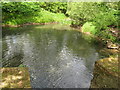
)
(15, 78)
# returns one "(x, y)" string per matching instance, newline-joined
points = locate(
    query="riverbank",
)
(106, 71)
(108, 43)
(105, 42)
(106, 74)
(27, 24)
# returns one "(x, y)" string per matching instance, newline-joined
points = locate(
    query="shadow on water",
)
(56, 59)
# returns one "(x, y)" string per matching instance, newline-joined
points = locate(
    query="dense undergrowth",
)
(15, 13)
(41, 17)
(99, 18)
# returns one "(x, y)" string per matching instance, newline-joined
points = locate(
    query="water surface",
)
(56, 56)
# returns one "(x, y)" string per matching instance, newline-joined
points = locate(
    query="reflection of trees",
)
(14, 61)
(40, 43)
(12, 51)
(82, 48)
(78, 45)
(47, 44)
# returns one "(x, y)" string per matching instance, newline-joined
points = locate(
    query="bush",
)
(103, 20)
(89, 27)
(55, 7)
(15, 13)
(103, 14)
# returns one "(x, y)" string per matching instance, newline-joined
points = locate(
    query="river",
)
(57, 56)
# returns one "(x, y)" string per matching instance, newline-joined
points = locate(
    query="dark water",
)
(59, 59)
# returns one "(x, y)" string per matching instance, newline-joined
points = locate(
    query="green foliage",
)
(19, 9)
(101, 14)
(21, 65)
(15, 13)
(107, 35)
(46, 16)
(18, 12)
(103, 20)
(95, 17)
(89, 27)
(55, 7)
(81, 12)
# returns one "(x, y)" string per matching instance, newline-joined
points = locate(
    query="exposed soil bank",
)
(17, 77)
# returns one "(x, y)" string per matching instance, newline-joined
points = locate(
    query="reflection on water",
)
(59, 59)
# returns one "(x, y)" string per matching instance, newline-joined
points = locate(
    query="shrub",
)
(15, 13)
(107, 35)
(89, 27)
(103, 14)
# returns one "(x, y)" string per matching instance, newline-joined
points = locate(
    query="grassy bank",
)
(41, 17)
(18, 13)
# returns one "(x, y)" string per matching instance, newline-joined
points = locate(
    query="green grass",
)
(40, 17)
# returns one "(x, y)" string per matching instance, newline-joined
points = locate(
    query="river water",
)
(56, 55)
